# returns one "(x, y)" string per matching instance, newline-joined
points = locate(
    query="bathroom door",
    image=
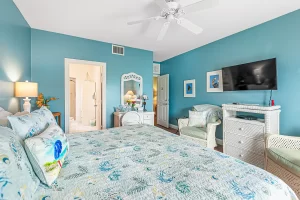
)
(73, 98)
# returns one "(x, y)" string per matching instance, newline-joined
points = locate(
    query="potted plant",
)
(42, 101)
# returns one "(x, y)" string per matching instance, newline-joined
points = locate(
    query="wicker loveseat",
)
(283, 159)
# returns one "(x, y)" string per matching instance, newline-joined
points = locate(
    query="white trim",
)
(173, 126)
(219, 141)
(67, 89)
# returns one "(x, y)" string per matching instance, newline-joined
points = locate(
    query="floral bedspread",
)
(145, 162)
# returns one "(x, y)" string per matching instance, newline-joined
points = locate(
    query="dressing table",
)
(132, 91)
(146, 118)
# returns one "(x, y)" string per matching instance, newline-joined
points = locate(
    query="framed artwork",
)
(190, 88)
(214, 81)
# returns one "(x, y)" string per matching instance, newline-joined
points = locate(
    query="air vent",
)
(118, 50)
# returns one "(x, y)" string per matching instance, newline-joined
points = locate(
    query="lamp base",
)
(27, 105)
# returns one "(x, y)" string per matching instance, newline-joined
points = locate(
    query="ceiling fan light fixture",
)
(172, 10)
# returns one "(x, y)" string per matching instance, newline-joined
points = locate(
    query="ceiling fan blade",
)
(162, 4)
(201, 5)
(163, 31)
(190, 26)
(144, 20)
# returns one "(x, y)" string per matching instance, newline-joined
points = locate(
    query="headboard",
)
(7, 99)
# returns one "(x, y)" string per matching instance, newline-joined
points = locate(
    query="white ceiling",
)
(106, 20)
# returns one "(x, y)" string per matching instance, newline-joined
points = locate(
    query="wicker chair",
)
(282, 159)
(205, 136)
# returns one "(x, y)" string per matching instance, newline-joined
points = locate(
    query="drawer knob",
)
(241, 129)
(241, 155)
(241, 142)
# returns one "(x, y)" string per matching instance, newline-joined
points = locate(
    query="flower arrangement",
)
(42, 101)
(132, 104)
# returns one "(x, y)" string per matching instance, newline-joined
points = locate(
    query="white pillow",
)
(28, 125)
(197, 119)
(4, 120)
(4, 113)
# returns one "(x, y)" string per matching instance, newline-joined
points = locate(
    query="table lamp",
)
(26, 89)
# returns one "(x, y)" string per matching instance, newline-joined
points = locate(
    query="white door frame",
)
(67, 89)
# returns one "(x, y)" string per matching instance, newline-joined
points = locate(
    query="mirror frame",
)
(128, 77)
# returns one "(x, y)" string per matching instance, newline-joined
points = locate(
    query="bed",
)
(145, 162)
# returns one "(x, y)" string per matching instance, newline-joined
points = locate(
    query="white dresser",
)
(147, 118)
(244, 139)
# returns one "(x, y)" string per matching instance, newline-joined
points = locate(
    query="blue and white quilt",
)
(144, 162)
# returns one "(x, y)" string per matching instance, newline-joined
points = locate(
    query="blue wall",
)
(15, 51)
(50, 49)
(278, 38)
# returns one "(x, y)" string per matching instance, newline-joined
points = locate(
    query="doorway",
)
(85, 87)
(155, 99)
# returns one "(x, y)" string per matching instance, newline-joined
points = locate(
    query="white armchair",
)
(282, 158)
(205, 136)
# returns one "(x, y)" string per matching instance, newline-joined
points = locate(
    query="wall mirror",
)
(131, 88)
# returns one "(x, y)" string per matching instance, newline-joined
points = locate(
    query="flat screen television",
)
(261, 75)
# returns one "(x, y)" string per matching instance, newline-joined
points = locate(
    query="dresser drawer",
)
(245, 129)
(148, 116)
(244, 155)
(242, 142)
(149, 121)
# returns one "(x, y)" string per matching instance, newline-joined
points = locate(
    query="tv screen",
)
(259, 75)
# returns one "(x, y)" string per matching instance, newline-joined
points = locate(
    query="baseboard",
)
(219, 141)
(173, 126)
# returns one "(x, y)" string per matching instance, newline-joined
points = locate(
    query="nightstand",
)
(57, 117)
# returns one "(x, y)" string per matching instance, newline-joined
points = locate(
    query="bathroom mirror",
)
(131, 88)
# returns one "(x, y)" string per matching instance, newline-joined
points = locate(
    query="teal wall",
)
(15, 51)
(50, 49)
(278, 38)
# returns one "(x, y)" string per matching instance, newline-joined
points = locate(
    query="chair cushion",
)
(286, 158)
(195, 132)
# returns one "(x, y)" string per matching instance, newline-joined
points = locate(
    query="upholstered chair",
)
(282, 158)
(206, 136)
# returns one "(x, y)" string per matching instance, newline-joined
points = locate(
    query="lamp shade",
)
(26, 89)
(130, 93)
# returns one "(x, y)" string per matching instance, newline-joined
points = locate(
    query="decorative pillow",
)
(28, 125)
(5, 113)
(197, 119)
(17, 179)
(47, 114)
(47, 152)
(214, 114)
(4, 120)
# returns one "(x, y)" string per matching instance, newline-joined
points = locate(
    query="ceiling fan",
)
(172, 10)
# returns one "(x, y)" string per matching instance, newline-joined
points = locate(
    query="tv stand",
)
(244, 139)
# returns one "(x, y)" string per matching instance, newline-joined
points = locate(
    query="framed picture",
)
(190, 88)
(214, 81)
